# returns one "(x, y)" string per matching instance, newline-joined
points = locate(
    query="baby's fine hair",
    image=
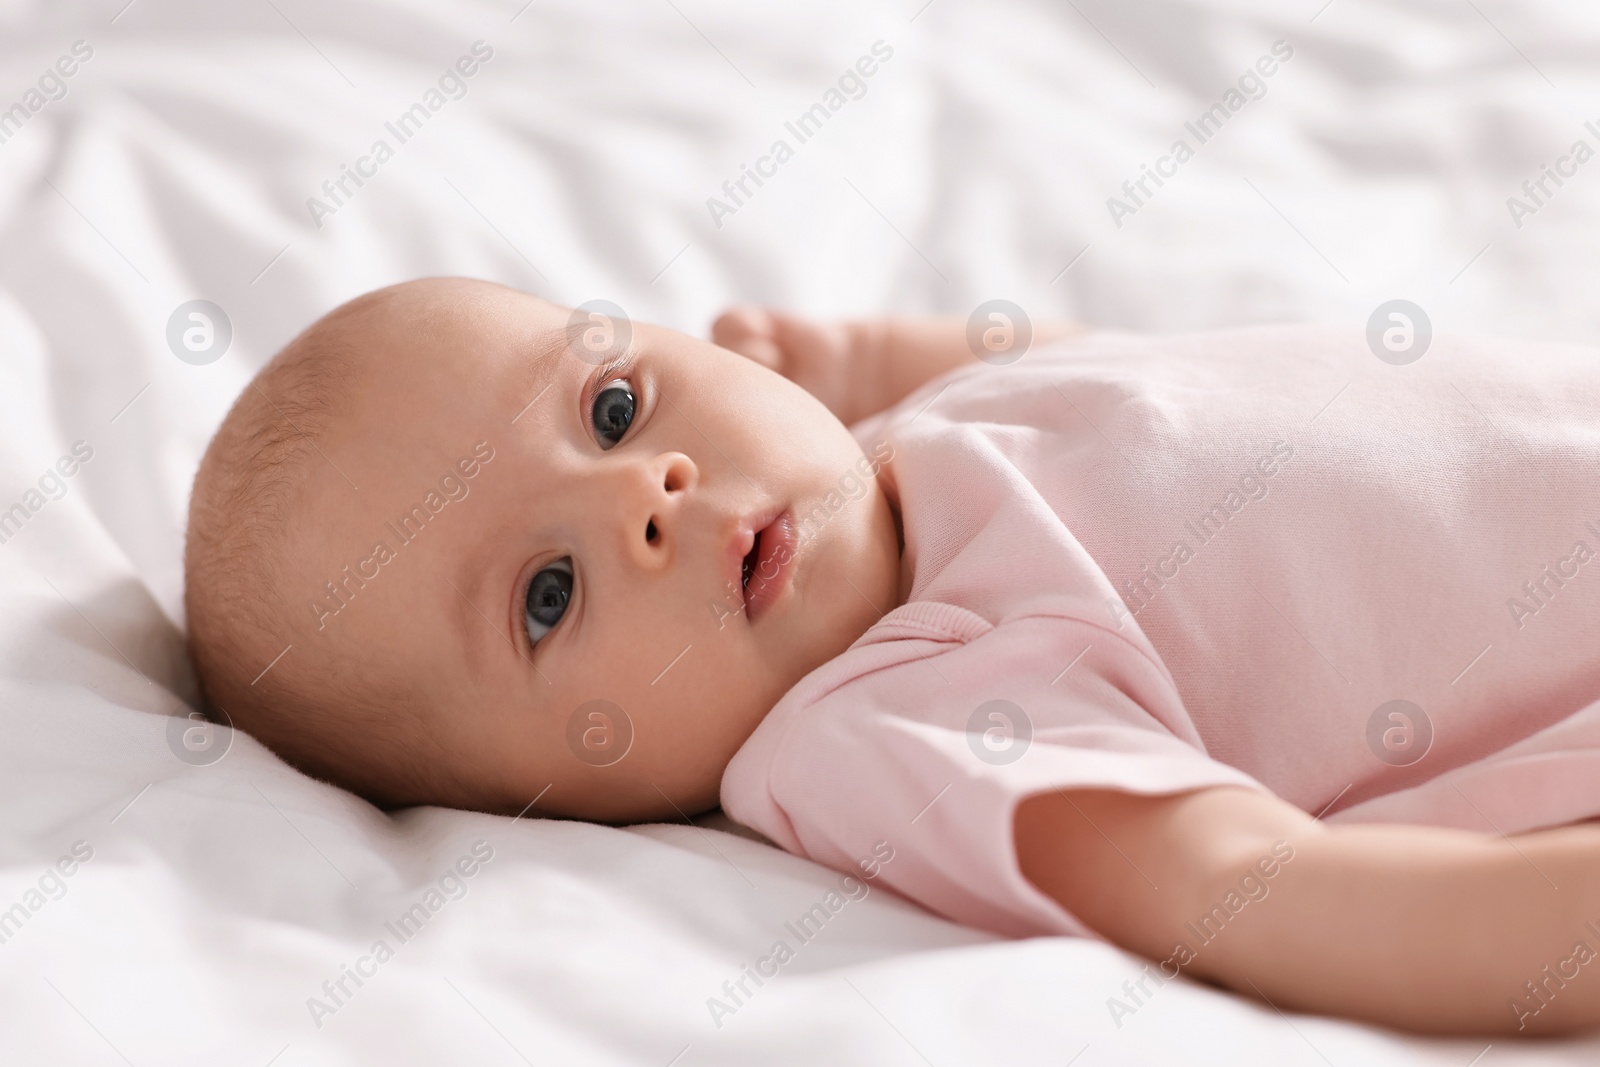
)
(343, 721)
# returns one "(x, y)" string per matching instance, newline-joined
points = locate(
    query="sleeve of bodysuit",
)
(943, 725)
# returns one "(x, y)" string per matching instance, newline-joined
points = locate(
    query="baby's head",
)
(447, 549)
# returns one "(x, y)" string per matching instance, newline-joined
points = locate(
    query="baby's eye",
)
(548, 594)
(612, 413)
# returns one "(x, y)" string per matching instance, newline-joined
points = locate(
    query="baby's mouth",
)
(767, 569)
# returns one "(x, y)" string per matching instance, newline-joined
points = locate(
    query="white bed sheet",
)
(177, 165)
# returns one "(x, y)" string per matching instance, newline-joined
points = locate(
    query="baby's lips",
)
(743, 541)
(774, 568)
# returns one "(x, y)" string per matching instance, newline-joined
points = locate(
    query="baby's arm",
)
(861, 367)
(1413, 927)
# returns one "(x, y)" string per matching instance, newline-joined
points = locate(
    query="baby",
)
(1245, 651)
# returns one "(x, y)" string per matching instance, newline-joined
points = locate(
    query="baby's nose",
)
(653, 514)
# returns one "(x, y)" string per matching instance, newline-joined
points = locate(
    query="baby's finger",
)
(749, 331)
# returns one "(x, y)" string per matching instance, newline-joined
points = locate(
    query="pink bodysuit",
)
(1260, 557)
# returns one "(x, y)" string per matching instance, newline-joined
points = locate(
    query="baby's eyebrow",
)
(539, 374)
(530, 384)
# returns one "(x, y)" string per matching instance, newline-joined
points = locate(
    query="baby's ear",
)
(751, 332)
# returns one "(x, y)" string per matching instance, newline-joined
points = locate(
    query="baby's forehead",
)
(428, 356)
(429, 388)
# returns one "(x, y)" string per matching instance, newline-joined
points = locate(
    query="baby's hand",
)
(861, 367)
(833, 362)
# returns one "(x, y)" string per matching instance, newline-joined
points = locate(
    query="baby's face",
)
(554, 557)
